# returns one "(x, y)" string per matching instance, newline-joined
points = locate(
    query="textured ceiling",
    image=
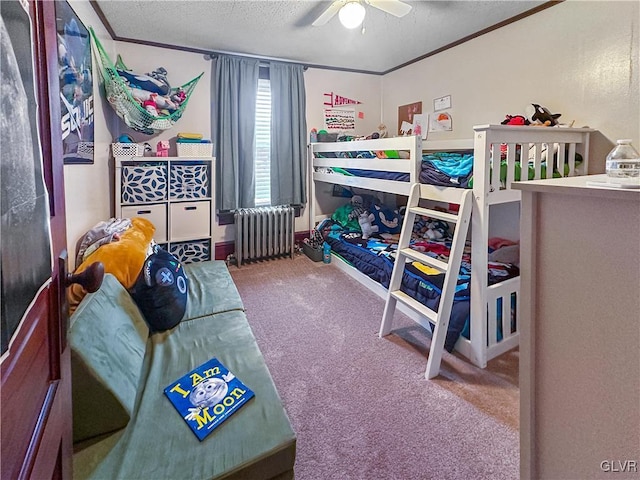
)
(276, 29)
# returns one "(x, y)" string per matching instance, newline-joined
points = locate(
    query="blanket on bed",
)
(375, 257)
(452, 169)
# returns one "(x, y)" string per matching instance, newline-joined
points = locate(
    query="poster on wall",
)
(405, 117)
(440, 122)
(337, 120)
(335, 100)
(76, 85)
(26, 259)
(420, 125)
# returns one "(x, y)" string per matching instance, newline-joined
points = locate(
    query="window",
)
(262, 157)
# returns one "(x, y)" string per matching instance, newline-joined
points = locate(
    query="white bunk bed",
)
(489, 190)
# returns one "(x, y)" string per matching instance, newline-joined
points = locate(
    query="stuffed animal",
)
(437, 230)
(150, 106)
(358, 209)
(145, 82)
(367, 228)
(163, 102)
(515, 120)
(387, 218)
(160, 75)
(420, 226)
(542, 116)
(357, 201)
(179, 96)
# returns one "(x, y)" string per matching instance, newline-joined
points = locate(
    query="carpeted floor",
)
(360, 405)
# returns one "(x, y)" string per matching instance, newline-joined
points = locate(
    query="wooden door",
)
(36, 430)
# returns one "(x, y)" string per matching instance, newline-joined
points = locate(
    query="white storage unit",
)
(176, 195)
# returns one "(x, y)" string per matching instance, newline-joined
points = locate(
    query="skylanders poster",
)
(76, 85)
(207, 396)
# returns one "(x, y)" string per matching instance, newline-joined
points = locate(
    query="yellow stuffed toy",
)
(123, 258)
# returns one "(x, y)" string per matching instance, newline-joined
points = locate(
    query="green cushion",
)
(256, 442)
(107, 336)
(211, 289)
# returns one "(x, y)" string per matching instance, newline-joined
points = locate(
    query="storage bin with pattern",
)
(188, 182)
(190, 252)
(144, 183)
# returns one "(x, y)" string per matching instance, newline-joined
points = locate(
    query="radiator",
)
(263, 233)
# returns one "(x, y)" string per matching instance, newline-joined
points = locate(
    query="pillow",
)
(122, 258)
(387, 220)
(161, 290)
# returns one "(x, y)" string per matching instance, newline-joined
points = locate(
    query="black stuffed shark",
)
(543, 115)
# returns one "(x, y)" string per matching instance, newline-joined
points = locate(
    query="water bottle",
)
(623, 162)
(326, 253)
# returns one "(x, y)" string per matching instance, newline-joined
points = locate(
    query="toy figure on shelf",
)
(162, 149)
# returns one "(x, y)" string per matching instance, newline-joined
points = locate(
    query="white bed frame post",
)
(479, 241)
(312, 188)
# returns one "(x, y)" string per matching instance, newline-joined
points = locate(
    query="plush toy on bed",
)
(515, 120)
(358, 207)
(541, 116)
(437, 230)
(387, 218)
(356, 201)
(367, 228)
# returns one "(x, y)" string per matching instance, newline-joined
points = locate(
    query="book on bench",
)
(207, 395)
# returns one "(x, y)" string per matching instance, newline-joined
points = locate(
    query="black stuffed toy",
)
(160, 290)
(542, 116)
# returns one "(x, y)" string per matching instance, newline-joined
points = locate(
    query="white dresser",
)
(580, 330)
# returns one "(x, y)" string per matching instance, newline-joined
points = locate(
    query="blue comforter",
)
(375, 259)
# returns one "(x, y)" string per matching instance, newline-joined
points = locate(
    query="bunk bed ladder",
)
(439, 319)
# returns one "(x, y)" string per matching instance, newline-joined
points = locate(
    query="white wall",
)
(356, 86)
(87, 187)
(577, 58)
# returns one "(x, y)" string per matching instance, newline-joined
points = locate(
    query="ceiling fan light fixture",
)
(351, 15)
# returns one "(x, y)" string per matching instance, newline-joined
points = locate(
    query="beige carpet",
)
(360, 405)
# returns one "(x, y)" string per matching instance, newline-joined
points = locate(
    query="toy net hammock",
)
(128, 109)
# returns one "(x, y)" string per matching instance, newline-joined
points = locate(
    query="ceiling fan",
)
(351, 12)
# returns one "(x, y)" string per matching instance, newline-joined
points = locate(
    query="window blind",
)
(262, 167)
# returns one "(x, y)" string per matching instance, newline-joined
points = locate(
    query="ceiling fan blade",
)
(394, 7)
(328, 13)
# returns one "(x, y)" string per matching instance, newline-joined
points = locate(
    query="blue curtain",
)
(288, 134)
(235, 83)
(234, 87)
